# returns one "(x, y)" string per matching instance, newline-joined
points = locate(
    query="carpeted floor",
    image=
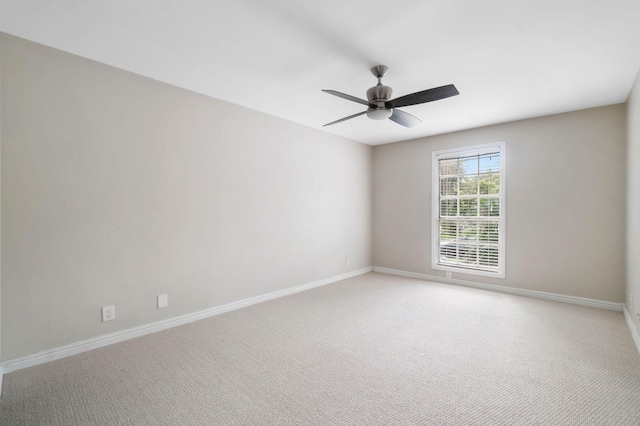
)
(374, 349)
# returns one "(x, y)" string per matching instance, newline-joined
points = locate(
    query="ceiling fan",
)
(380, 107)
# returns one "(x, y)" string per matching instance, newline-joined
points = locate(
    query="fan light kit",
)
(380, 107)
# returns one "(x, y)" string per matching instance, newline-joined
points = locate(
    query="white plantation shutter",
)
(468, 225)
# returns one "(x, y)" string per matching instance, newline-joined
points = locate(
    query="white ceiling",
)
(510, 59)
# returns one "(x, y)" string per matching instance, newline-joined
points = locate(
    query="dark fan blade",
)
(423, 97)
(347, 97)
(404, 118)
(345, 119)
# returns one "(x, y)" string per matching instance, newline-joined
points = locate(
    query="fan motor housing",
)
(379, 93)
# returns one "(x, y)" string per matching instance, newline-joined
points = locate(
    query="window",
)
(468, 210)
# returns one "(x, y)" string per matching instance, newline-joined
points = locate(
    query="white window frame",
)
(435, 204)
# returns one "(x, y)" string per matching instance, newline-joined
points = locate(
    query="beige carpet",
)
(374, 349)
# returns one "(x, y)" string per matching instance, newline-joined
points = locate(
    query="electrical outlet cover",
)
(163, 301)
(108, 313)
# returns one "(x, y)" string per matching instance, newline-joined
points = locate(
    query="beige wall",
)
(0, 214)
(565, 206)
(117, 188)
(633, 204)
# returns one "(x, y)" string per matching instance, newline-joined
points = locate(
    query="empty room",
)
(320, 213)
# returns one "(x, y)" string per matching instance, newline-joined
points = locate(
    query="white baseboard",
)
(503, 289)
(98, 342)
(632, 328)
